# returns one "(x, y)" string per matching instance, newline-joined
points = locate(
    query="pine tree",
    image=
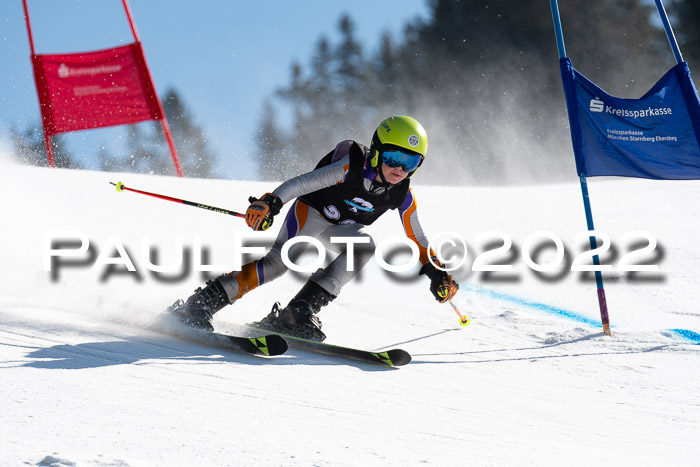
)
(302, 141)
(196, 157)
(272, 146)
(148, 152)
(145, 150)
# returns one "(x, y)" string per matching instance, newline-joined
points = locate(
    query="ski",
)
(262, 343)
(391, 358)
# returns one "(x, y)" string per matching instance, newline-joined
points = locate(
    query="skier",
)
(350, 188)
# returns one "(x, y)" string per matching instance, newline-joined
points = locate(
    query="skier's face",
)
(393, 175)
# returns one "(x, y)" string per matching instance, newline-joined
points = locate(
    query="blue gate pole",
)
(602, 302)
(669, 32)
(557, 28)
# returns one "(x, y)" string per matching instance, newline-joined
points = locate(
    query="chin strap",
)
(386, 185)
(381, 174)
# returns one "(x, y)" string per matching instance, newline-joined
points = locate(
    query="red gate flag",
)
(81, 91)
(95, 89)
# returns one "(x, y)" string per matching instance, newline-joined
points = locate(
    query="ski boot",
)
(299, 318)
(199, 309)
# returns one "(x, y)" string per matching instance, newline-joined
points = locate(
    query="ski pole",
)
(463, 319)
(120, 187)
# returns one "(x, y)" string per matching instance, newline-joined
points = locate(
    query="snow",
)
(531, 381)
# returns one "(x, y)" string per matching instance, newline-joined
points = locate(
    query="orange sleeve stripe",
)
(407, 220)
(302, 214)
(423, 252)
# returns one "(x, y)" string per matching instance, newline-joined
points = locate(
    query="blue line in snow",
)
(684, 333)
(534, 305)
(687, 334)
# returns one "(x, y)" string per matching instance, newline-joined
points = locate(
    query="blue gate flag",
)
(655, 136)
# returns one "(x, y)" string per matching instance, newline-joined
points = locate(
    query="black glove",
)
(442, 285)
(261, 211)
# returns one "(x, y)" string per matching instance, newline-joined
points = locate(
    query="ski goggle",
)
(408, 162)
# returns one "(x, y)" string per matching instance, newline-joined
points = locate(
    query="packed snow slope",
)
(531, 381)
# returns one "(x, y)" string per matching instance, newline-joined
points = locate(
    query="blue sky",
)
(224, 57)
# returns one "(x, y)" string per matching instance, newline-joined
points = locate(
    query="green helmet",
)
(399, 141)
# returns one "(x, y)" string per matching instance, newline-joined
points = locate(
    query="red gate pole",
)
(164, 121)
(29, 26)
(47, 137)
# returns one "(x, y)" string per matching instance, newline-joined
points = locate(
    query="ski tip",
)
(393, 358)
(400, 357)
(269, 345)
